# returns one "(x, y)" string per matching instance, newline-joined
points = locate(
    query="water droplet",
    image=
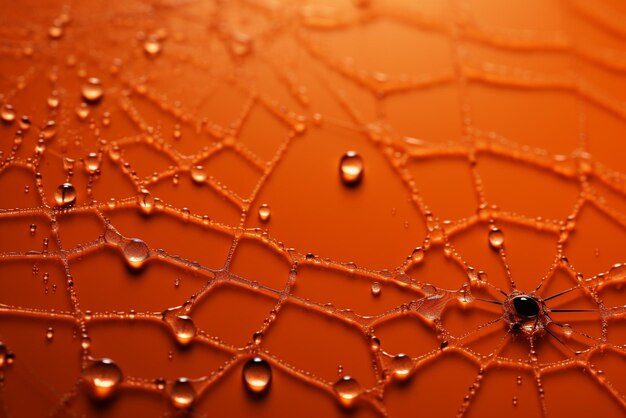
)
(257, 338)
(183, 327)
(159, 382)
(68, 163)
(145, 201)
(257, 375)
(401, 366)
(182, 393)
(496, 238)
(264, 212)
(53, 101)
(49, 130)
(152, 46)
(33, 229)
(351, 168)
(3, 355)
(514, 400)
(198, 174)
(417, 255)
(65, 195)
(102, 377)
(25, 123)
(55, 32)
(376, 288)
(49, 334)
(240, 44)
(617, 272)
(92, 91)
(136, 252)
(7, 113)
(567, 330)
(82, 111)
(348, 390)
(374, 344)
(92, 162)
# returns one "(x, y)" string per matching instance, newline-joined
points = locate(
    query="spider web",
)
(166, 67)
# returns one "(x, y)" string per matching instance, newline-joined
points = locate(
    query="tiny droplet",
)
(264, 212)
(152, 46)
(351, 168)
(401, 366)
(92, 91)
(7, 113)
(376, 288)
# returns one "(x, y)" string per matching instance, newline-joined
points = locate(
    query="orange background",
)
(467, 115)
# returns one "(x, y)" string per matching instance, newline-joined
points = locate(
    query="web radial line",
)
(479, 328)
(556, 295)
(496, 302)
(574, 310)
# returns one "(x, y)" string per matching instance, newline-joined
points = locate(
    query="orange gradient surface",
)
(263, 208)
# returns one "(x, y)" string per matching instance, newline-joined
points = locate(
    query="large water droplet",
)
(401, 366)
(351, 168)
(49, 334)
(183, 327)
(417, 255)
(257, 375)
(102, 377)
(617, 272)
(92, 91)
(496, 238)
(136, 252)
(65, 195)
(182, 393)
(348, 390)
(198, 174)
(264, 212)
(145, 201)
